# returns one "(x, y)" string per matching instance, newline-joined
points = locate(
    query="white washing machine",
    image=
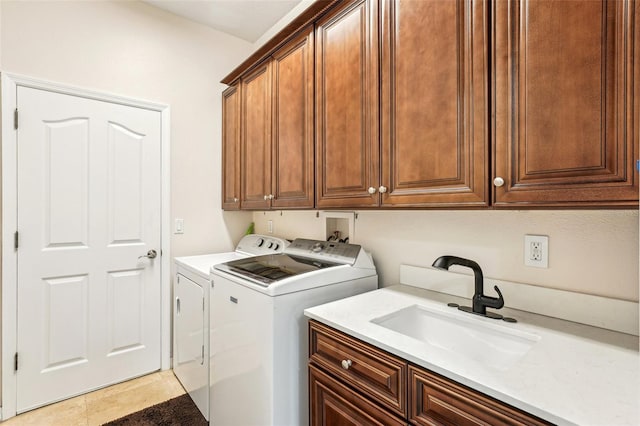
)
(191, 313)
(259, 346)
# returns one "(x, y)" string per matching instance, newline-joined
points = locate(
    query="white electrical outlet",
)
(536, 251)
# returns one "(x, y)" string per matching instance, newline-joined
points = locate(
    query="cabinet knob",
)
(235, 200)
(346, 363)
(498, 181)
(371, 190)
(382, 189)
(268, 197)
(271, 197)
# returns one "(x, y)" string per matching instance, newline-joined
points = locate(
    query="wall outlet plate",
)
(536, 251)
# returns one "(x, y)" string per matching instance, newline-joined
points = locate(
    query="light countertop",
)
(573, 375)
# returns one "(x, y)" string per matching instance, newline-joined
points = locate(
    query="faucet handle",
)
(498, 302)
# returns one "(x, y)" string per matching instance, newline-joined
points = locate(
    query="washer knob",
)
(317, 247)
(260, 242)
(270, 245)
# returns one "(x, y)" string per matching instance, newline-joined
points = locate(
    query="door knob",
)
(151, 254)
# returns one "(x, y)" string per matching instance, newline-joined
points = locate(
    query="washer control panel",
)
(257, 244)
(329, 250)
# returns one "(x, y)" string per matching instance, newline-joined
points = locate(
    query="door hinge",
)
(202, 353)
(203, 304)
(15, 119)
(15, 240)
(15, 362)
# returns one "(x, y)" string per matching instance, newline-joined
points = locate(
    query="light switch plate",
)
(179, 226)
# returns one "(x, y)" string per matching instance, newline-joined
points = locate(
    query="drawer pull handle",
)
(346, 363)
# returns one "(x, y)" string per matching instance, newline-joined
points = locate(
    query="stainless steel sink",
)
(485, 341)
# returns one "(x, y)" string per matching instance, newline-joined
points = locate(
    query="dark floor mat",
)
(179, 411)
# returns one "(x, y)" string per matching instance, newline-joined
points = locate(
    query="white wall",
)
(590, 251)
(283, 22)
(300, 7)
(136, 50)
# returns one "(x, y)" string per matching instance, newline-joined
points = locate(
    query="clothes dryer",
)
(191, 312)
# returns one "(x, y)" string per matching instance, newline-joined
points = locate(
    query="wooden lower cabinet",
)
(439, 401)
(345, 389)
(369, 370)
(334, 404)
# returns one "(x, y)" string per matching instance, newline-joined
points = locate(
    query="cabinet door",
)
(292, 154)
(334, 404)
(434, 103)
(231, 148)
(347, 150)
(370, 371)
(256, 138)
(566, 101)
(434, 400)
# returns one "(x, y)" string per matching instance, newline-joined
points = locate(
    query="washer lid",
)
(267, 269)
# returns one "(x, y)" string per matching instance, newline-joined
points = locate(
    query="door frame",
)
(9, 291)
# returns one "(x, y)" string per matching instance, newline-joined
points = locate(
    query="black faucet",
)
(480, 301)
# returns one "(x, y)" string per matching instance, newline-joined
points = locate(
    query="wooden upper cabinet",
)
(256, 138)
(231, 148)
(434, 103)
(566, 102)
(347, 145)
(292, 168)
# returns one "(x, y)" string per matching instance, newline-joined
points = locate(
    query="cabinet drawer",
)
(332, 403)
(370, 370)
(434, 400)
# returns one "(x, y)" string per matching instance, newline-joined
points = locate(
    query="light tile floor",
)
(104, 405)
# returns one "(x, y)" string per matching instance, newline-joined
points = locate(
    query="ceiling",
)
(246, 19)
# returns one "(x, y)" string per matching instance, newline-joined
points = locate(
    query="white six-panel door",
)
(89, 204)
